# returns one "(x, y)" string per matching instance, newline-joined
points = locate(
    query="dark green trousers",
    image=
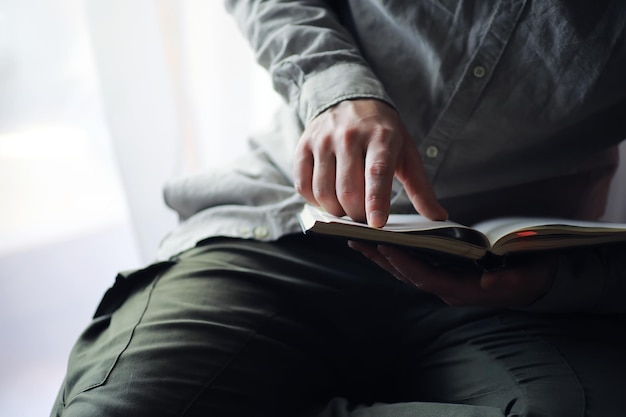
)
(307, 327)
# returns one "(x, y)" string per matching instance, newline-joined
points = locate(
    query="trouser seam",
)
(125, 348)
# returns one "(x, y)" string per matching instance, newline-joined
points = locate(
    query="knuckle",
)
(382, 132)
(375, 199)
(378, 168)
(323, 145)
(324, 194)
(348, 132)
(348, 139)
(315, 141)
(348, 195)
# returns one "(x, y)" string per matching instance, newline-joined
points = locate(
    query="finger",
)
(379, 169)
(454, 288)
(371, 252)
(324, 183)
(410, 171)
(417, 272)
(350, 182)
(303, 173)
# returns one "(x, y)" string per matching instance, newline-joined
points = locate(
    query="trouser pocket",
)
(98, 348)
(125, 284)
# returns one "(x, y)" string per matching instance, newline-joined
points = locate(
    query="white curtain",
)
(181, 93)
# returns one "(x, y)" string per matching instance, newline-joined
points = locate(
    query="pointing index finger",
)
(379, 171)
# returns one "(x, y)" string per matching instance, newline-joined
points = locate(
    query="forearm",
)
(312, 59)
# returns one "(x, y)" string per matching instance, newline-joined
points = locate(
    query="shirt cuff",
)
(324, 89)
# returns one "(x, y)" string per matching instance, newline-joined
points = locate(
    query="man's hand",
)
(513, 287)
(347, 157)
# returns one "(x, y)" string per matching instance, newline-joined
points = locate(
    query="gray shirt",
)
(498, 96)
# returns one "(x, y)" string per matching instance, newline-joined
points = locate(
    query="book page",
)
(400, 224)
(410, 230)
(497, 229)
(395, 223)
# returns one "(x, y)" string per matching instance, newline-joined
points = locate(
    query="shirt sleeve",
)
(588, 280)
(313, 61)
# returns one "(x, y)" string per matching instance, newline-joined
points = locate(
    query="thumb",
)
(410, 172)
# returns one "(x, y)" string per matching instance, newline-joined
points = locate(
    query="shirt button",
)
(243, 231)
(432, 151)
(261, 232)
(479, 71)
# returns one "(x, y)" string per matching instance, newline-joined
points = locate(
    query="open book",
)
(488, 240)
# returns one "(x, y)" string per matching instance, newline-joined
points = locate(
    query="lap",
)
(237, 327)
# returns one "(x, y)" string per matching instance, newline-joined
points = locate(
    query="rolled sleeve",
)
(340, 82)
(313, 61)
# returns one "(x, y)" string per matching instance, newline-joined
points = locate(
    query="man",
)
(465, 110)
